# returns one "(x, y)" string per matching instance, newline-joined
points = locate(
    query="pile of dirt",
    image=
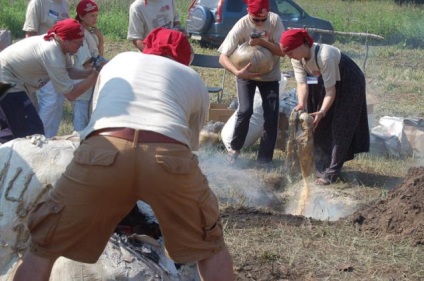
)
(401, 214)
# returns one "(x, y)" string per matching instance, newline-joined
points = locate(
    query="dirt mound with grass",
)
(401, 214)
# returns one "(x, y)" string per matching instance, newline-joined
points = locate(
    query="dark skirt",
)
(344, 130)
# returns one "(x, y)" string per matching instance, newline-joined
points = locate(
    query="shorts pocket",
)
(177, 165)
(94, 156)
(209, 211)
(43, 221)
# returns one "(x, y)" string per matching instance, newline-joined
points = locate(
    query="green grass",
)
(399, 25)
(402, 25)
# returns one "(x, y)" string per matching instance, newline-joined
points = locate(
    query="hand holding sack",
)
(261, 59)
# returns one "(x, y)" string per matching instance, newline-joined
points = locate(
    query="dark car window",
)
(287, 11)
(235, 5)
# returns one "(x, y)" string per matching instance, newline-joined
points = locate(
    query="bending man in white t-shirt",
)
(149, 109)
(40, 16)
(30, 64)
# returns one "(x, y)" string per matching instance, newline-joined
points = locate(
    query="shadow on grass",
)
(371, 179)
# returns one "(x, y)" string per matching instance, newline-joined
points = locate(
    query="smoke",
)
(239, 185)
(319, 202)
(233, 183)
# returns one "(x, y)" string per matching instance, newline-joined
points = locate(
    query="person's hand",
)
(101, 64)
(254, 42)
(299, 107)
(97, 32)
(244, 73)
(317, 118)
(97, 63)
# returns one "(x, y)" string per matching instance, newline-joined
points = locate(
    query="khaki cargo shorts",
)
(103, 183)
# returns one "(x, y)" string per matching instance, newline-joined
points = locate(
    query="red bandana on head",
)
(68, 29)
(293, 38)
(167, 42)
(258, 8)
(86, 6)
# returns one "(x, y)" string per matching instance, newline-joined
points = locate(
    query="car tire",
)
(204, 44)
(200, 19)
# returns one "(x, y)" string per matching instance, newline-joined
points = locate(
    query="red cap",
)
(293, 38)
(67, 29)
(86, 6)
(168, 42)
(258, 8)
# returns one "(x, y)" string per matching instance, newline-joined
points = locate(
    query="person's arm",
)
(137, 29)
(330, 95)
(272, 47)
(243, 73)
(76, 73)
(81, 87)
(138, 43)
(99, 35)
(30, 33)
(302, 96)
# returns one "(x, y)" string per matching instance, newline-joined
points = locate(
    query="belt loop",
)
(135, 141)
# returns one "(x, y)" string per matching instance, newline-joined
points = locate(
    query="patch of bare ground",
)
(383, 240)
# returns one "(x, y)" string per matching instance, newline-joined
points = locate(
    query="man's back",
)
(152, 93)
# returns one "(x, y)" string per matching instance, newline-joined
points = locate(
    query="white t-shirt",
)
(32, 62)
(89, 49)
(41, 15)
(240, 33)
(328, 65)
(144, 18)
(150, 92)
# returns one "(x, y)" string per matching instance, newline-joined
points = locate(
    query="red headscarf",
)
(67, 29)
(258, 8)
(86, 6)
(167, 42)
(293, 38)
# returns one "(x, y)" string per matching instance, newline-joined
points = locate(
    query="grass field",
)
(266, 244)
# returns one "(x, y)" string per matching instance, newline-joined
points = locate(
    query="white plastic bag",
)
(256, 121)
(390, 134)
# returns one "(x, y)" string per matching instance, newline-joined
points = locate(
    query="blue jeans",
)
(81, 114)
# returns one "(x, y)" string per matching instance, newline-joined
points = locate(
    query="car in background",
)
(209, 21)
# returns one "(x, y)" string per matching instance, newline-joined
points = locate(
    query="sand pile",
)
(401, 214)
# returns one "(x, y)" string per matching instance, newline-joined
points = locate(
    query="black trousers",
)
(269, 91)
(18, 117)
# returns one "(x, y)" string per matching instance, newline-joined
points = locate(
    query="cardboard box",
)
(415, 137)
(219, 112)
(370, 112)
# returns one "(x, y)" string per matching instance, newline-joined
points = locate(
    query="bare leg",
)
(218, 267)
(34, 268)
